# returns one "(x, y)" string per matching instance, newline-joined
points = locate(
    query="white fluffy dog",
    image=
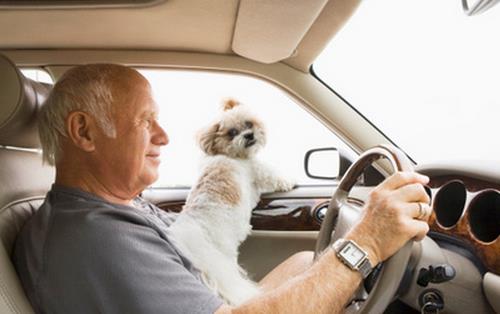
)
(216, 217)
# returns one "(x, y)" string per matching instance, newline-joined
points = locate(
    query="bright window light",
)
(38, 75)
(424, 73)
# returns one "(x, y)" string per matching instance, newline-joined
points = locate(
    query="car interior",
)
(455, 269)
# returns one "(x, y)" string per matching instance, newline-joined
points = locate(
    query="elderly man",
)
(95, 246)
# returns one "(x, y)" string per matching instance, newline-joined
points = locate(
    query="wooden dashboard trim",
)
(288, 214)
(295, 214)
(489, 253)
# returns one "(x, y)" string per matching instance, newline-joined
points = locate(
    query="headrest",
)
(20, 100)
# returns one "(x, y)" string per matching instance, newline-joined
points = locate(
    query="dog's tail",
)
(229, 103)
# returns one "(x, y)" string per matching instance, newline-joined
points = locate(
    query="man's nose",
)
(160, 137)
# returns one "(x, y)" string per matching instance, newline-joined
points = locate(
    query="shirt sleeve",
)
(118, 263)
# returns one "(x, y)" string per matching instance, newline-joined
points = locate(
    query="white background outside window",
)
(190, 100)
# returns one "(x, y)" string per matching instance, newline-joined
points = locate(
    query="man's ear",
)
(81, 130)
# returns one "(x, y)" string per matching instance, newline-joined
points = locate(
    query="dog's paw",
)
(285, 185)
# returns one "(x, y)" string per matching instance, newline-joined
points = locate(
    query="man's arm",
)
(388, 222)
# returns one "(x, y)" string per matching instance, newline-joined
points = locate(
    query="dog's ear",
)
(229, 104)
(207, 137)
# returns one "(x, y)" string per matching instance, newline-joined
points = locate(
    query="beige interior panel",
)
(331, 20)
(264, 250)
(283, 31)
(487, 170)
(267, 31)
(462, 294)
(21, 170)
(165, 26)
(491, 286)
(76, 4)
(12, 295)
(20, 100)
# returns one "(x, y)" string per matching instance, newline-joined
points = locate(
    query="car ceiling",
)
(292, 31)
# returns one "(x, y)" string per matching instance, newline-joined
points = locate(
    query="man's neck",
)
(85, 181)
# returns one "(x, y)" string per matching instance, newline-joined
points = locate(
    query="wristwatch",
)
(353, 256)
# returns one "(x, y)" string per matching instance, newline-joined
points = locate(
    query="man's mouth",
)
(155, 157)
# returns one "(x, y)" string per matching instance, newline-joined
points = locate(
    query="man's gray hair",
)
(87, 88)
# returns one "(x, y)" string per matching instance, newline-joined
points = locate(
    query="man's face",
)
(130, 161)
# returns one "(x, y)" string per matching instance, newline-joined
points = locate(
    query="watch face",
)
(352, 254)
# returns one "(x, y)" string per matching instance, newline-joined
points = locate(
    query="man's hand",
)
(396, 211)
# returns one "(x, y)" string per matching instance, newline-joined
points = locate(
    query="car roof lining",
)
(73, 4)
(233, 28)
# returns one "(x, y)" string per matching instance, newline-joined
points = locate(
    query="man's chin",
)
(154, 177)
(150, 177)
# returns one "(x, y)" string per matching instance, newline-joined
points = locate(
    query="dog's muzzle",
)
(250, 143)
(250, 140)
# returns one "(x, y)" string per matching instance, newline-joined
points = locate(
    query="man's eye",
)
(232, 132)
(248, 124)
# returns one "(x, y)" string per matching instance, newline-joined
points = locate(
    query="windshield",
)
(424, 73)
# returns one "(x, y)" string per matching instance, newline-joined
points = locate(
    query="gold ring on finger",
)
(421, 211)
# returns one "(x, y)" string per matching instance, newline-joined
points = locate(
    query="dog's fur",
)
(216, 217)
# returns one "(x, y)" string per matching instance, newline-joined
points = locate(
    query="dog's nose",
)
(249, 136)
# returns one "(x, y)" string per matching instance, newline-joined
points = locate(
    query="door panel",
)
(264, 250)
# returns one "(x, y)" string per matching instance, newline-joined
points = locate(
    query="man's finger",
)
(400, 179)
(414, 192)
(418, 229)
(418, 210)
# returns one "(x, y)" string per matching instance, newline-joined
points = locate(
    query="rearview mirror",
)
(474, 7)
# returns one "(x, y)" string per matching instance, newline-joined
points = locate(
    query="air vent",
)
(449, 203)
(484, 216)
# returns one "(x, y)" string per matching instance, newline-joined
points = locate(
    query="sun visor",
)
(285, 23)
(20, 100)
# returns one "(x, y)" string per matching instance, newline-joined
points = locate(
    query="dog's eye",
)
(248, 124)
(232, 132)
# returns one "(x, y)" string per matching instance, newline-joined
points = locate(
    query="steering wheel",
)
(341, 216)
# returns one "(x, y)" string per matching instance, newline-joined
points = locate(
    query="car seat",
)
(24, 180)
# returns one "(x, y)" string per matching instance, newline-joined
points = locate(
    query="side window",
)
(191, 100)
(38, 75)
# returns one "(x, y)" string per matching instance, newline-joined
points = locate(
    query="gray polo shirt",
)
(81, 254)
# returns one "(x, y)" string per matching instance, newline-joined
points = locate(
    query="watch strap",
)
(365, 268)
